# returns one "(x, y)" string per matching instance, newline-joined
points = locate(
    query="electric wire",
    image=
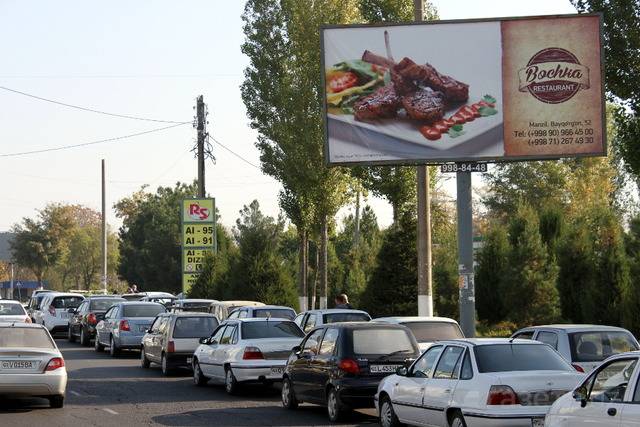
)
(234, 153)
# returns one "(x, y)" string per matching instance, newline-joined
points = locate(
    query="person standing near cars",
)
(342, 301)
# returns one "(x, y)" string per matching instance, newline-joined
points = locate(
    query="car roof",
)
(410, 319)
(576, 327)
(257, 319)
(238, 303)
(363, 325)
(489, 341)
(335, 310)
(92, 297)
(268, 307)
(126, 303)
(16, 324)
(64, 294)
(11, 301)
(197, 300)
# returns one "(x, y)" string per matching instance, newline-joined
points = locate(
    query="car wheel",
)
(388, 416)
(84, 339)
(335, 410)
(113, 350)
(164, 363)
(289, 400)
(56, 401)
(458, 420)
(97, 346)
(70, 336)
(198, 377)
(144, 362)
(230, 382)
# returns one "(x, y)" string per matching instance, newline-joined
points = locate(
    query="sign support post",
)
(466, 284)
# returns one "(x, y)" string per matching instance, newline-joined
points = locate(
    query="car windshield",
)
(25, 337)
(103, 304)
(11, 309)
(259, 330)
(147, 310)
(281, 313)
(66, 302)
(381, 341)
(434, 331)
(346, 317)
(519, 357)
(194, 327)
(595, 346)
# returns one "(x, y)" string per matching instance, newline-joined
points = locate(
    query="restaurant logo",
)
(553, 76)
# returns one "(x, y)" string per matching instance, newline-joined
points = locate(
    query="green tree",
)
(214, 281)
(490, 275)
(530, 282)
(576, 260)
(631, 292)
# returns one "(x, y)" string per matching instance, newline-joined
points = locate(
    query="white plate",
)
(277, 370)
(383, 369)
(16, 364)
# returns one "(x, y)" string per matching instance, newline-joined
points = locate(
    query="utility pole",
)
(201, 117)
(11, 283)
(467, 300)
(104, 230)
(425, 296)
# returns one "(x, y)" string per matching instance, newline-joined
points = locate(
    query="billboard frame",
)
(214, 243)
(490, 159)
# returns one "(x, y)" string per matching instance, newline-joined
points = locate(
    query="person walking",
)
(342, 301)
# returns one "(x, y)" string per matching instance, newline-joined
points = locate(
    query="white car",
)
(31, 364)
(477, 382)
(221, 309)
(272, 311)
(585, 346)
(245, 350)
(314, 318)
(610, 396)
(54, 313)
(427, 329)
(13, 311)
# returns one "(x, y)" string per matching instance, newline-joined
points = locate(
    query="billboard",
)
(198, 225)
(474, 90)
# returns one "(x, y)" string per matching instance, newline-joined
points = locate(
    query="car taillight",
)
(92, 319)
(28, 320)
(171, 347)
(52, 311)
(252, 353)
(502, 395)
(349, 366)
(55, 363)
(578, 368)
(124, 326)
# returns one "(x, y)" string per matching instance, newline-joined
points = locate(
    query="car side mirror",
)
(402, 371)
(408, 362)
(580, 395)
(296, 349)
(204, 340)
(71, 310)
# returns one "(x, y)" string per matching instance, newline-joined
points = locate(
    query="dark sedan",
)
(340, 365)
(83, 321)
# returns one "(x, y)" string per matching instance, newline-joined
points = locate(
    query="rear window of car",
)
(103, 304)
(11, 309)
(434, 331)
(194, 327)
(25, 337)
(280, 313)
(381, 341)
(151, 310)
(519, 357)
(346, 317)
(66, 302)
(597, 346)
(258, 330)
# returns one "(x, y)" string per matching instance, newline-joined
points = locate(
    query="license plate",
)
(189, 359)
(16, 364)
(537, 422)
(277, 371)
(383, 369)
(64, 315)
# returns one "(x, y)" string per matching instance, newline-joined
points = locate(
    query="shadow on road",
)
(22, 405)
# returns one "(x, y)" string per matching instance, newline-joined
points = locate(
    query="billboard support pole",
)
(465, 255)
(425, 297)
(104, 231)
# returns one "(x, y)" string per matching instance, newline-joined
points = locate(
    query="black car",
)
(339, 365)
(83, 320)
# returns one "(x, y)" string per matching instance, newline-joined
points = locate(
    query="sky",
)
(147, 59)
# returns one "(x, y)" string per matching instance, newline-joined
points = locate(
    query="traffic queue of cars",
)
(413, 370)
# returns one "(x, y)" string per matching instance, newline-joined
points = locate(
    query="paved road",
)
(116, 392)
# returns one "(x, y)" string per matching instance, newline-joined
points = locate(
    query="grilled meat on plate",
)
(424, 105)
(383, 103)
(453, 90)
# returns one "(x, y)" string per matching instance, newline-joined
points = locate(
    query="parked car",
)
(125, 324)
(426, 329)
(173, 337)
(134, 297)
(34, 302)
(273, 311)
(340, 365)
(31, 364)
(610, 396)
(477, 382)
(244, 351)
(585, 346)
(221, 309)
(160, 297)
(192, 305)
(83, 320)
(313, 318)
(13, 311)
(149, 296)
(53, 312)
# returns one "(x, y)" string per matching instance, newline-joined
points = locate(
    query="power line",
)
(234, 153)
(91, 110)
(84, 144)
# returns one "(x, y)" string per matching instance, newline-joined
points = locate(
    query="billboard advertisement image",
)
(483, 90)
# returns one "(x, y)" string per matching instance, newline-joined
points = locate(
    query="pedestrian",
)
(342, 301)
